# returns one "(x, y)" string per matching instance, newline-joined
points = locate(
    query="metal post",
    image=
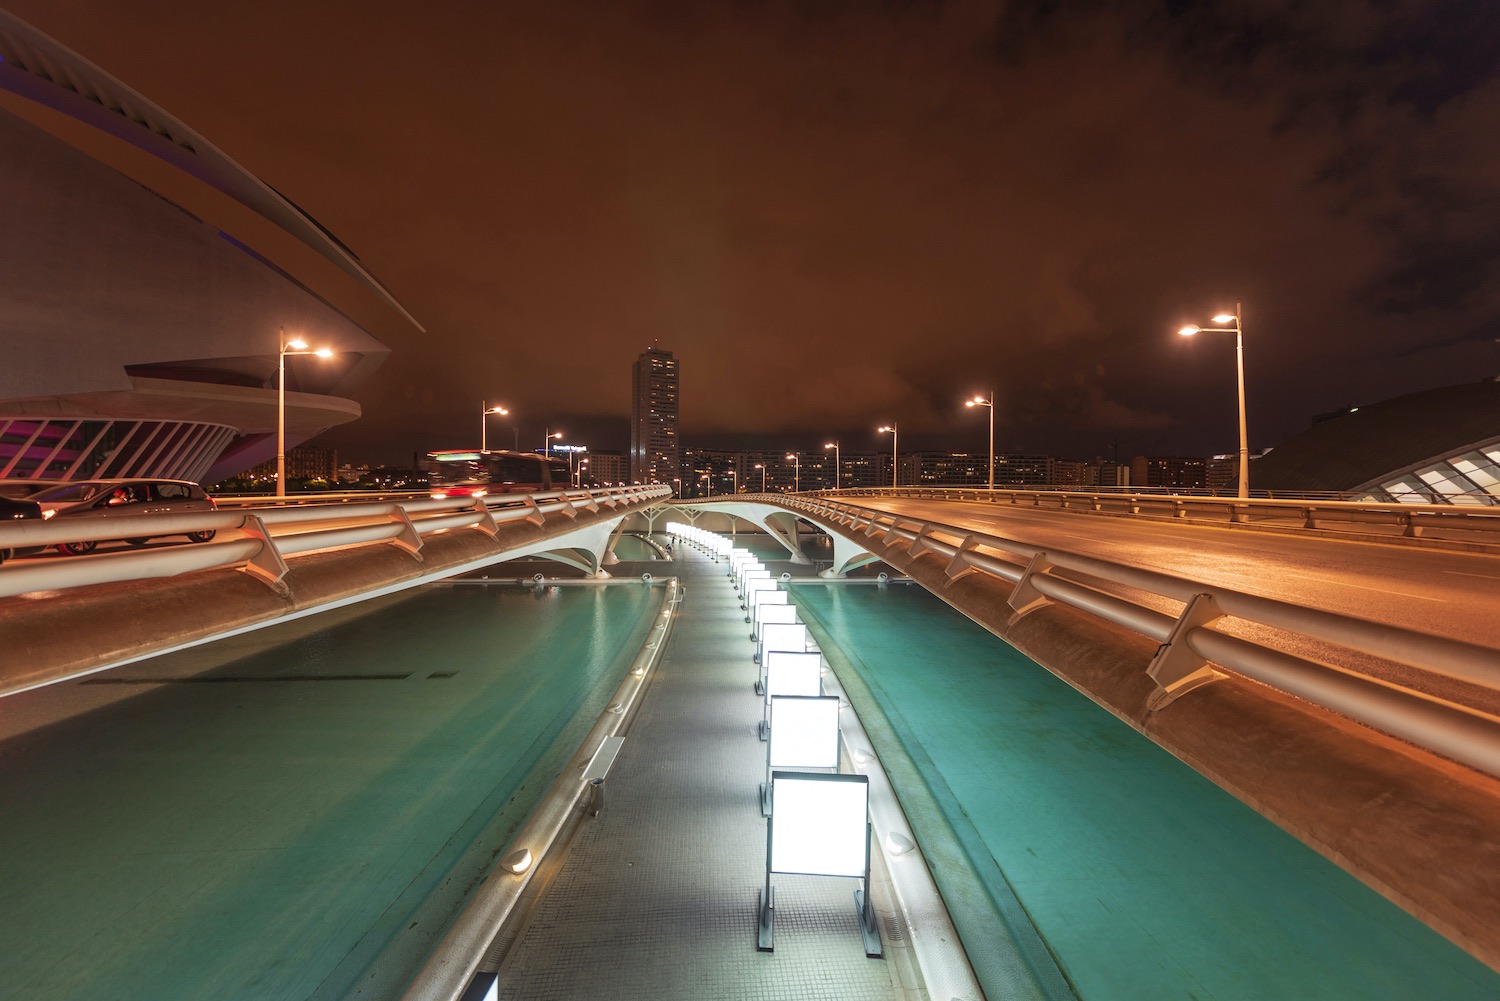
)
(281, 416)
(992, 440)
(1239, 358)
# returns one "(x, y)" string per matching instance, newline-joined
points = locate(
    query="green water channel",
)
(1143, 880)
(297, 813)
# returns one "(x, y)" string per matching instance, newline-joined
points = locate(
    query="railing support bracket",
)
(1176, 669)
(1026, 598)
(266, 565)
(958, 566)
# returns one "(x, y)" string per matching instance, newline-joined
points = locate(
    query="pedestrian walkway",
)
(657, 896)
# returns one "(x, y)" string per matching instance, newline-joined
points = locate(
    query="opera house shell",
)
(147, 281)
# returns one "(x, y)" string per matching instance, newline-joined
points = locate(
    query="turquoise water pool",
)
(297, 813)
(1143, 880)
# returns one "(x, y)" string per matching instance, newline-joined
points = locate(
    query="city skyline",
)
(858, 215)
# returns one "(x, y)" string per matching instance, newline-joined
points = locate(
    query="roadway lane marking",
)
(1365, 587)
(1481, 576)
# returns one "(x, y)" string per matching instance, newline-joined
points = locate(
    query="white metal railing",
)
(1194, 637)
(259, 538)
(1412, 520)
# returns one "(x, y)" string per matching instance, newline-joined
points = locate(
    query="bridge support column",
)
(847, 556)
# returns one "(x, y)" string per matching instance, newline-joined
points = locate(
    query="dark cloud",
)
(840, 214)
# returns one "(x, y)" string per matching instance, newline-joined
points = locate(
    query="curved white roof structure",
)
(148, 278)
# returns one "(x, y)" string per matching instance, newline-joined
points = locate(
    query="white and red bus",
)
(472, 473)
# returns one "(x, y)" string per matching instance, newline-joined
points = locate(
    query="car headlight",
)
(47, 514)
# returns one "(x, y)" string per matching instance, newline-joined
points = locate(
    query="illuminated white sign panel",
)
(749, 573)
(793, 673)
(820, 827)
(752, 588)
(789, 635)
(804, 732)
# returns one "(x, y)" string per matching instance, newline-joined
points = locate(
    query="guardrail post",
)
(958, 566)
(266, 565)
(410, 539)
(487, 523)
(1176, 669)
(1026, 598)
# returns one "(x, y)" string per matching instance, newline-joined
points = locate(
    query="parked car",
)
(119, 498)
(16, 510)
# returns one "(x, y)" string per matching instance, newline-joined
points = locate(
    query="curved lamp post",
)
(796, 458)
(980, 401)
(547, 436)
(836, 463)
(891, 427)
(1239, 363)
(295, 346)
(484, 423)
(762, 467)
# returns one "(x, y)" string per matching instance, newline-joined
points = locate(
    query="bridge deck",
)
(657, 896)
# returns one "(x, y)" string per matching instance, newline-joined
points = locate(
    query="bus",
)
(473, 473)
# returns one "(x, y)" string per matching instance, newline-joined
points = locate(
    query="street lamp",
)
(836, 463)
(295, 346)
(980, 401)
(547, 436)
(734, 477)
(484, 423)
(1239, 363)
(891, 427)
(796, 458)
(762, 467)
(706, 478)
(581, 464)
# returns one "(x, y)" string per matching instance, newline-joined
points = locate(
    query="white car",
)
(117, 498)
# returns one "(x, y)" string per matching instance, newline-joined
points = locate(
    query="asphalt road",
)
(1432, 590)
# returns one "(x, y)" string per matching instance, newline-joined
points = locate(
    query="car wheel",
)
(200, 536)
(77, 548)
(136, 542)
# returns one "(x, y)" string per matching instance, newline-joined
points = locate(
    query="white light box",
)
(793, 673)
(820, 827)
(804, 732)
(789, 635)
(748, 573)
(751, 589)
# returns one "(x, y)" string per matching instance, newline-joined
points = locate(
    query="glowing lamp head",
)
(884, 428)
(1189, 330)
(324, 353)
(830, 445)
(297, 344)
(1225, 318)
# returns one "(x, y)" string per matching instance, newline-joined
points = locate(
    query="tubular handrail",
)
(261, 536)
(1462, 733)
(1312, 513)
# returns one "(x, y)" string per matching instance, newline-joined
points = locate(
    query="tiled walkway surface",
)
(657, 897)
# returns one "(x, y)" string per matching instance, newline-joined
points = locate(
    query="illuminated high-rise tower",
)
(653, 418)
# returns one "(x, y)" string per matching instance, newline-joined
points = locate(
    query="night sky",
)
(838, 215)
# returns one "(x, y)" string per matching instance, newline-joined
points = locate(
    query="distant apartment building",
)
(1105, 473)
(305, 462)
(1169, 472)
(654, 440)
(607, 467)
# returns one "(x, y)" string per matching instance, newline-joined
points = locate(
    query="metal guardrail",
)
(1193, 638)
(1412, 519)
(259, 538)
